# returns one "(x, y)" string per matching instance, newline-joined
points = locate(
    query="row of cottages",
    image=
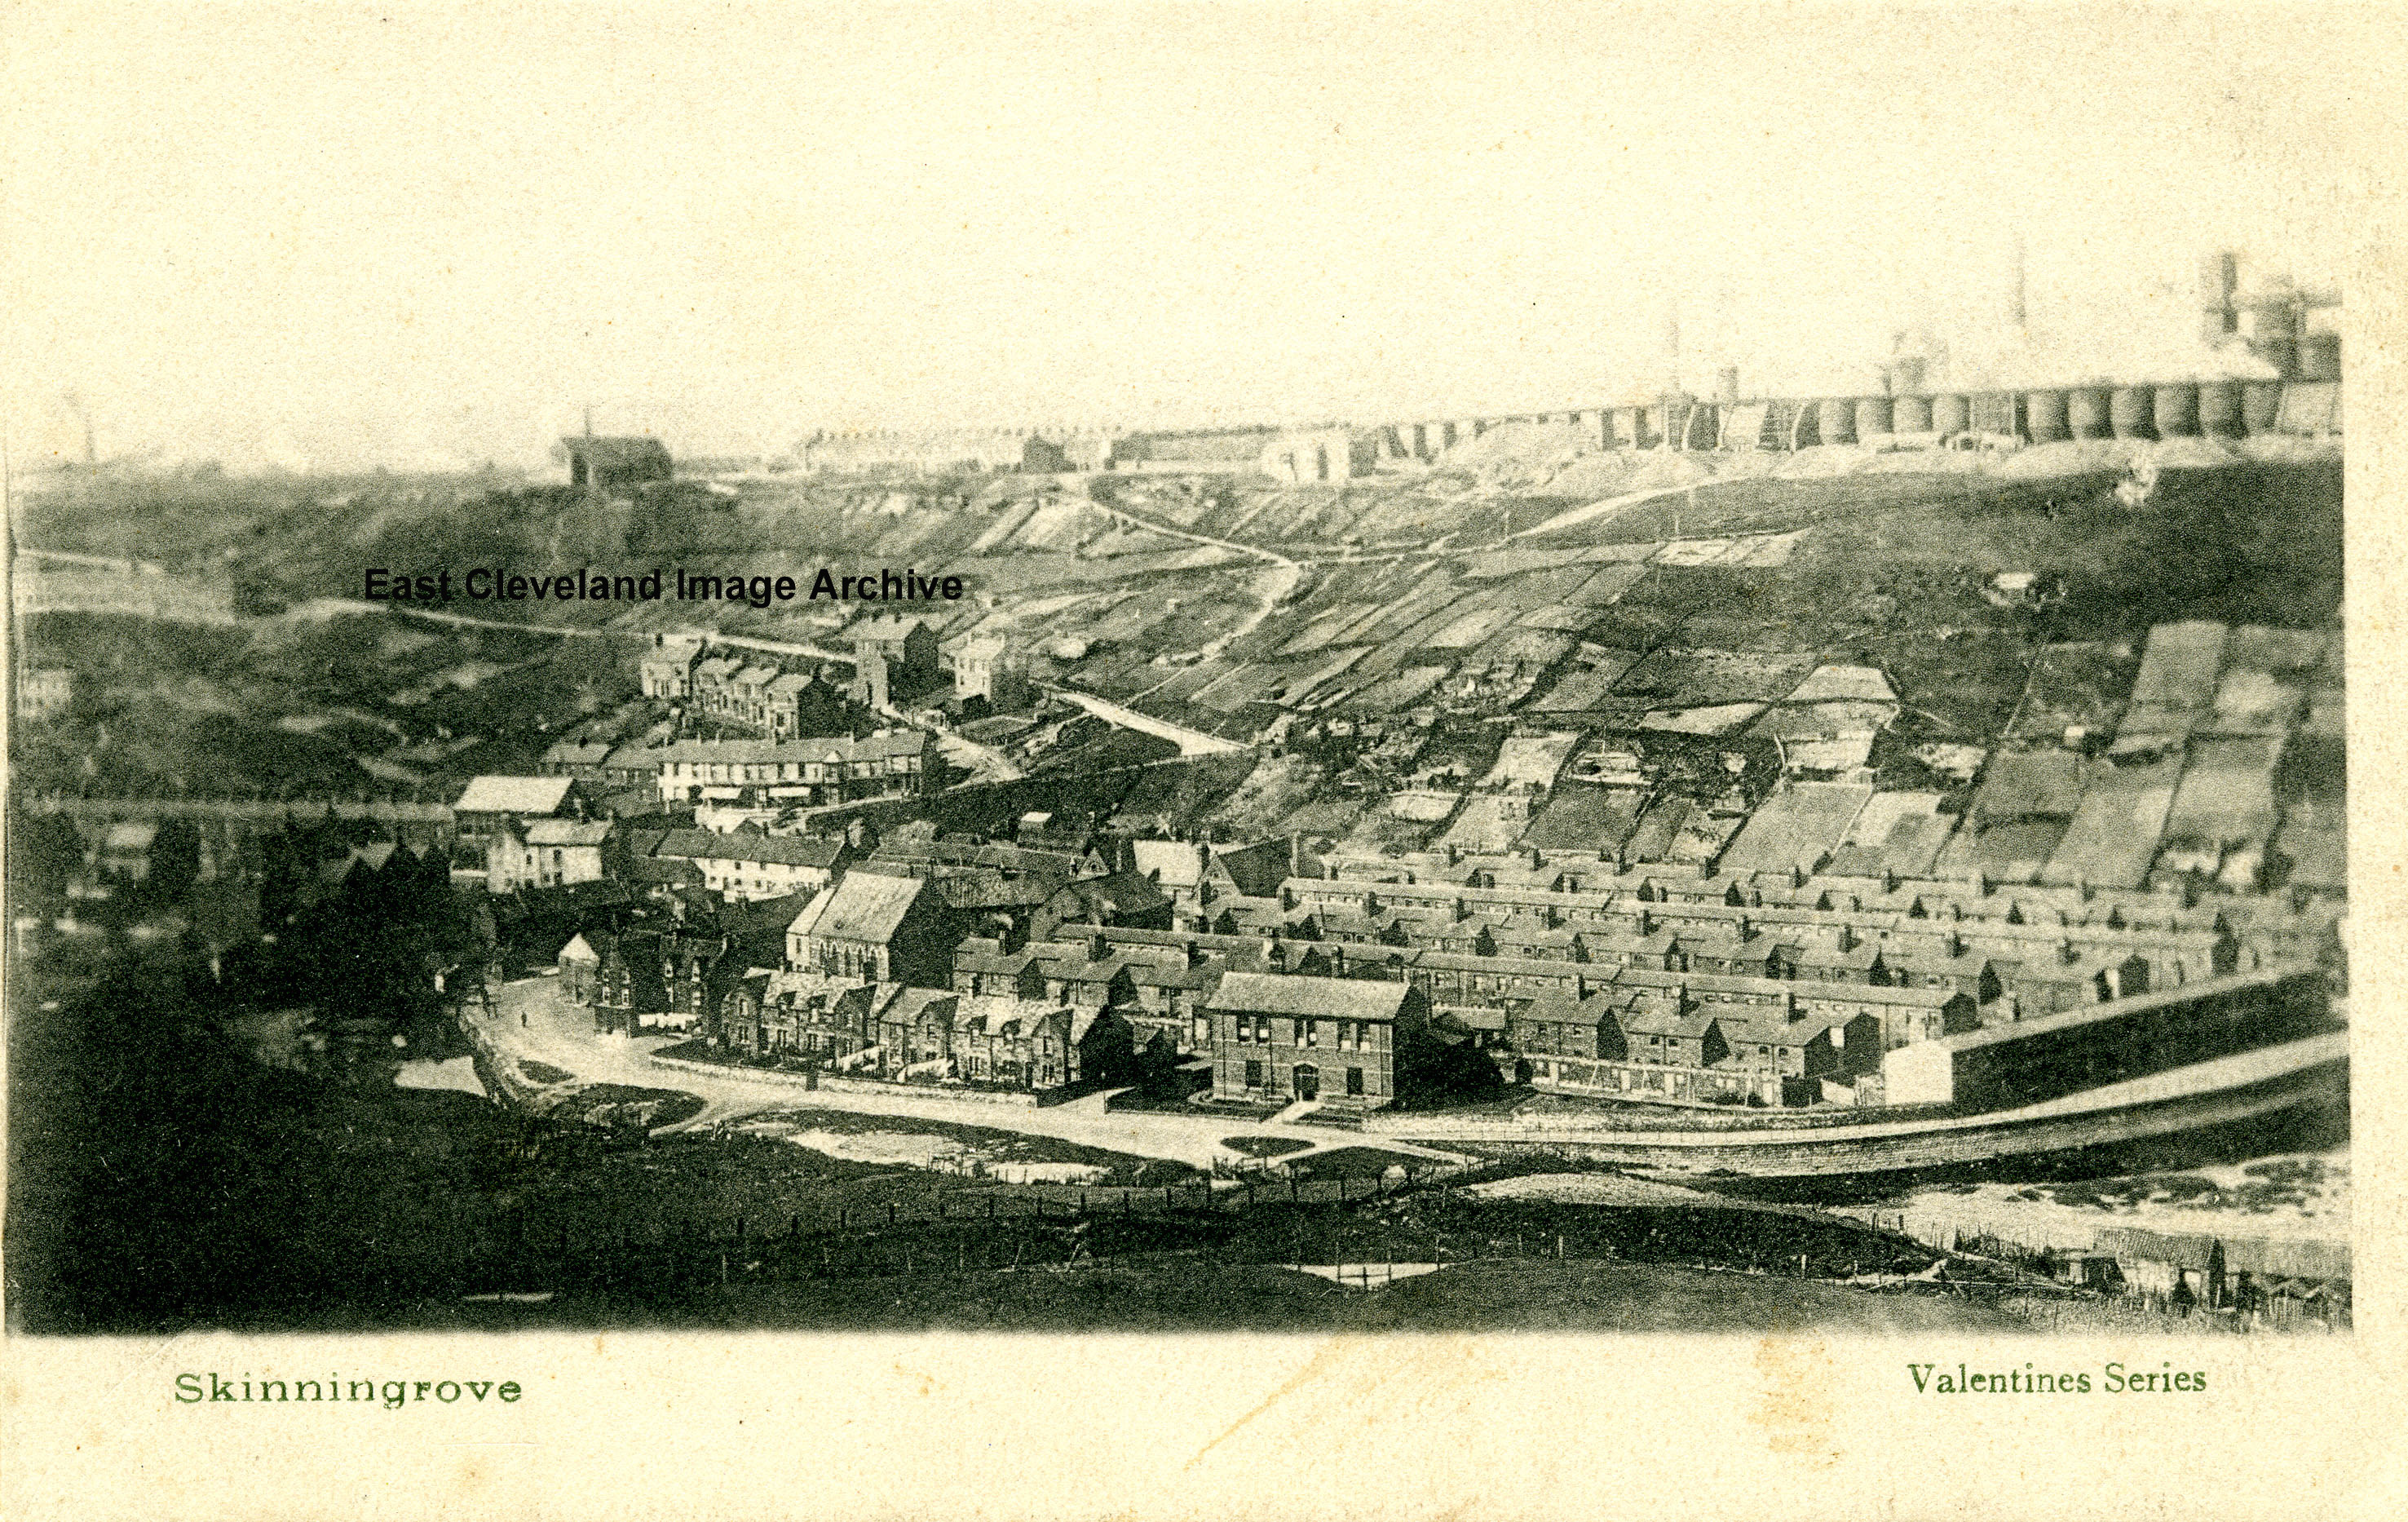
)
(1161, 990)
(1640, 1043)
(1174, 976)
(1462, 984)
(822, 1018)
(797, 772)
(1333, 1041)
(1628, 913)
(664, 979)
(1464, 963)
(878, 928)
(2268, 928)
(745, 864)
(759, 695)
(1948, 998)
(582, 759)
(624, 778)
(2035, 968)
(676, 973)
(1181, 971)
(898, 1032)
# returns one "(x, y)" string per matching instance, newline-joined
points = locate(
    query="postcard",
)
(1179, 761)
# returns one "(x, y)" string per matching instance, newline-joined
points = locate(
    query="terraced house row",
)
(872, 982)
(895, 1031)
(2043, 965)
(1029, 964)
(838, 768)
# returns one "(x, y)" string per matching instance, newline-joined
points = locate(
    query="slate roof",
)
(1257, 869)
(777, 850)
(1123, 893)
(1557, 1007)
(866, 905)
(569, 832)
(1667, 1020)
(1344, 999)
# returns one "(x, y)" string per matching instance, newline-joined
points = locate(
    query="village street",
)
(560, 1033)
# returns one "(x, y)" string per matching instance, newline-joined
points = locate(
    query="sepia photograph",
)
(1823, 803)
(1181, 670)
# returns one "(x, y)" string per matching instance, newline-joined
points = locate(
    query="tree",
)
(1432, 1072)
(43, 854)
(175, 862)
(1108, 1052)
(1157, 1067)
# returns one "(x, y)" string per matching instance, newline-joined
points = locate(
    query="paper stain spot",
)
(1313, 1368)
(1795, 1408)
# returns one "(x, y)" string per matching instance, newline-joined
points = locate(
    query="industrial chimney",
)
(2219, 279)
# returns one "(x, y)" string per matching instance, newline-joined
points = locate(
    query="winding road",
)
(1277, 583)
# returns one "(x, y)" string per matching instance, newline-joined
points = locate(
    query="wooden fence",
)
(1016, 1226)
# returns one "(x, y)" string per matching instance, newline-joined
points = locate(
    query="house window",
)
(1355, 1082)
(1254, 1075)
(1312, 1032)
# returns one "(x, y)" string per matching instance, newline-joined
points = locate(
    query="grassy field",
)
(988, 1141)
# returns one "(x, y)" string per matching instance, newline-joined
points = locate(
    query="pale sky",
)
(420, 236)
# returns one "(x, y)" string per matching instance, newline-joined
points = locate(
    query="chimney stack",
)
(2219, 279)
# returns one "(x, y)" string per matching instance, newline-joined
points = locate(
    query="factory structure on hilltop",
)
(2268, 360)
